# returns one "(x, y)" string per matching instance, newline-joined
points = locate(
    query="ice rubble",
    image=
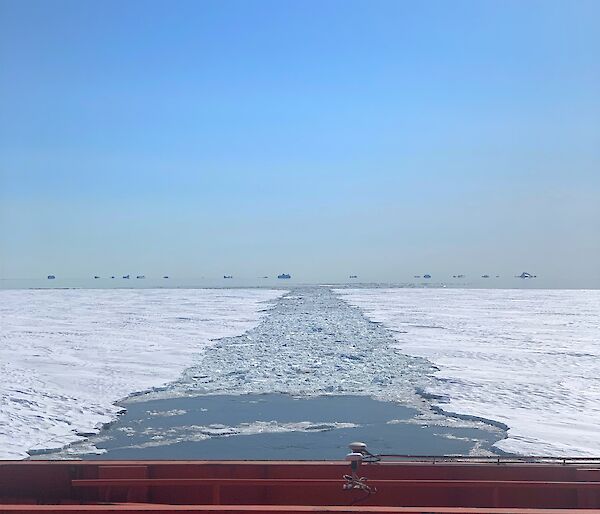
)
(66, 356)
(527, 358)
(312, 343)
(195, 433)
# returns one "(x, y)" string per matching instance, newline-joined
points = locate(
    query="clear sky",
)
(321, 138)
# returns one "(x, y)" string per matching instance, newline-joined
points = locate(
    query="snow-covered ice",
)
(66, 356)
(527, 358)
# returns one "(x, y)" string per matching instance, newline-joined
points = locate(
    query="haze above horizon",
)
(318, 138)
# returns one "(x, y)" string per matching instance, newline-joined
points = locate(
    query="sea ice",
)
(66, 356)
(312, 343)
(527, 358)
(195, 433)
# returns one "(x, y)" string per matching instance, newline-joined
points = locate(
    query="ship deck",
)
(402, 485)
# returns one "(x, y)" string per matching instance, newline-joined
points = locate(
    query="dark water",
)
(212, 427)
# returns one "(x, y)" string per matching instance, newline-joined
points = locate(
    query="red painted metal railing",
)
(233, 487)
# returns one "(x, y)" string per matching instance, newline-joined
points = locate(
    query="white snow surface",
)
(66, 356)
(527, 358)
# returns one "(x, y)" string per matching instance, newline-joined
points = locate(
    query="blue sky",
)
(317, 137)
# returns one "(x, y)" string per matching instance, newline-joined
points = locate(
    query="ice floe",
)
(193, 433)
(527, 358)
(66, 356)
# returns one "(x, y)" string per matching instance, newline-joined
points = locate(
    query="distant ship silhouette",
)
(526, 275)
(51, 277)
(284, 276)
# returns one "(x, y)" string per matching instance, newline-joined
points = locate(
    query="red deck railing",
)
(298, 487)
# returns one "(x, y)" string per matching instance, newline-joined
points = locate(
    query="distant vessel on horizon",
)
(141, 276)
(526, 275)
(284, 276)
(126, 277)
(353, 276)
(51, 277)
(427, 276)
(227, 276)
